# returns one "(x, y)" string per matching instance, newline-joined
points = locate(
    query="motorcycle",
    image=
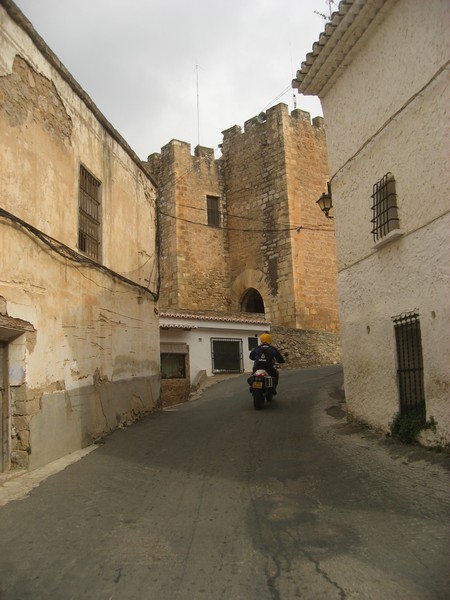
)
(261, 388)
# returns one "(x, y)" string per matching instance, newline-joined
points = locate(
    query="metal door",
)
(227, 355)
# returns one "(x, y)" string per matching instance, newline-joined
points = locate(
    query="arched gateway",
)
(252, 302)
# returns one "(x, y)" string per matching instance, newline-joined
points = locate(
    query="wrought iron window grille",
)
(227, 356)
(410, 364)
(89, 240)
(384, 207)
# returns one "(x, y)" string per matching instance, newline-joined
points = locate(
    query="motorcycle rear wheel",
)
(258, 399)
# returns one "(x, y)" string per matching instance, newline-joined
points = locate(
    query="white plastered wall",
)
(199, 342)
(388, 111)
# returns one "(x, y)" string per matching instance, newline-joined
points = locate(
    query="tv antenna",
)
(330, 12)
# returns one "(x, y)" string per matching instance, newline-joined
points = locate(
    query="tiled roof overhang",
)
(338, 44)
(213, 318)
(177, 326)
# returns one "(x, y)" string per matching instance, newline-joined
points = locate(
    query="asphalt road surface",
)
(213, 500)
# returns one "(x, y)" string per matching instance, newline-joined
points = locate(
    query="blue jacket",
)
(265, 354)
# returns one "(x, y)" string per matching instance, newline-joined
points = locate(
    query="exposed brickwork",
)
(268, 181)
(24, 406)
(175, 391)
(25, 91)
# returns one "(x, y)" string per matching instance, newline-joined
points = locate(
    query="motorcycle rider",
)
(265, 356)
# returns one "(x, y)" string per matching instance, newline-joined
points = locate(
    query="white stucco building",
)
(79, 332)
(195, 346)
(380, 69)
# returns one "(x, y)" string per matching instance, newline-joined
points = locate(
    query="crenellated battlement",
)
(180, 152)
(273, 118)
(181, 148)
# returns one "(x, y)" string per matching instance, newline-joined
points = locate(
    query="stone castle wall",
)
(194, 264)
(274, 171)
(313, 247)
(255, 183)
(273, 238)
(307, 348)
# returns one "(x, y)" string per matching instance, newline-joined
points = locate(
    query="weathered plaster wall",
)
(414, 147)
(92, 362)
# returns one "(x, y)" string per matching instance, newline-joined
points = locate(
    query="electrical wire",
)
(251, 218)
(73, 256)
(280, 95)
(297, 228)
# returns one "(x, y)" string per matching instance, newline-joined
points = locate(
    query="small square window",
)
(173, 366)
(384, 208)
(252, 343)
(213, 211)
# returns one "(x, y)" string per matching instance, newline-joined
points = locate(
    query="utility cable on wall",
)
(72, 255)
(297, 228)
(180, 177)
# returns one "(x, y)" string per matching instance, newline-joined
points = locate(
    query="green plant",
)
(406, 427)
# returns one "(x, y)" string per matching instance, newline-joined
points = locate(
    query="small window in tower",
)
(213, 211)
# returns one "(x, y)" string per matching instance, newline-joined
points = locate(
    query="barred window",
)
(89, 218)
(213, 211)
(410, 364)
(384, 207)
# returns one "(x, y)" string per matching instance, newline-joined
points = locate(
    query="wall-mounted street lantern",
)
(325, 202)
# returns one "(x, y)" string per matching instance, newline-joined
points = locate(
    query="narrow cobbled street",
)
(214, 500)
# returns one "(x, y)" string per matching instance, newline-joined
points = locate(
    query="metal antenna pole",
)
(198, 109)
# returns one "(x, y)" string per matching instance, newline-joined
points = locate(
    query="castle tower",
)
(273, 174)
(243, 233)
(192, 220)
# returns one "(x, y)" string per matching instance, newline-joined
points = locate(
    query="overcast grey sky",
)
(140, 60)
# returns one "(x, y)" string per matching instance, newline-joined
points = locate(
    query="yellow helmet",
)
(266, 338)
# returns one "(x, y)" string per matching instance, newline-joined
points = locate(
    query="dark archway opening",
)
(252, 302)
